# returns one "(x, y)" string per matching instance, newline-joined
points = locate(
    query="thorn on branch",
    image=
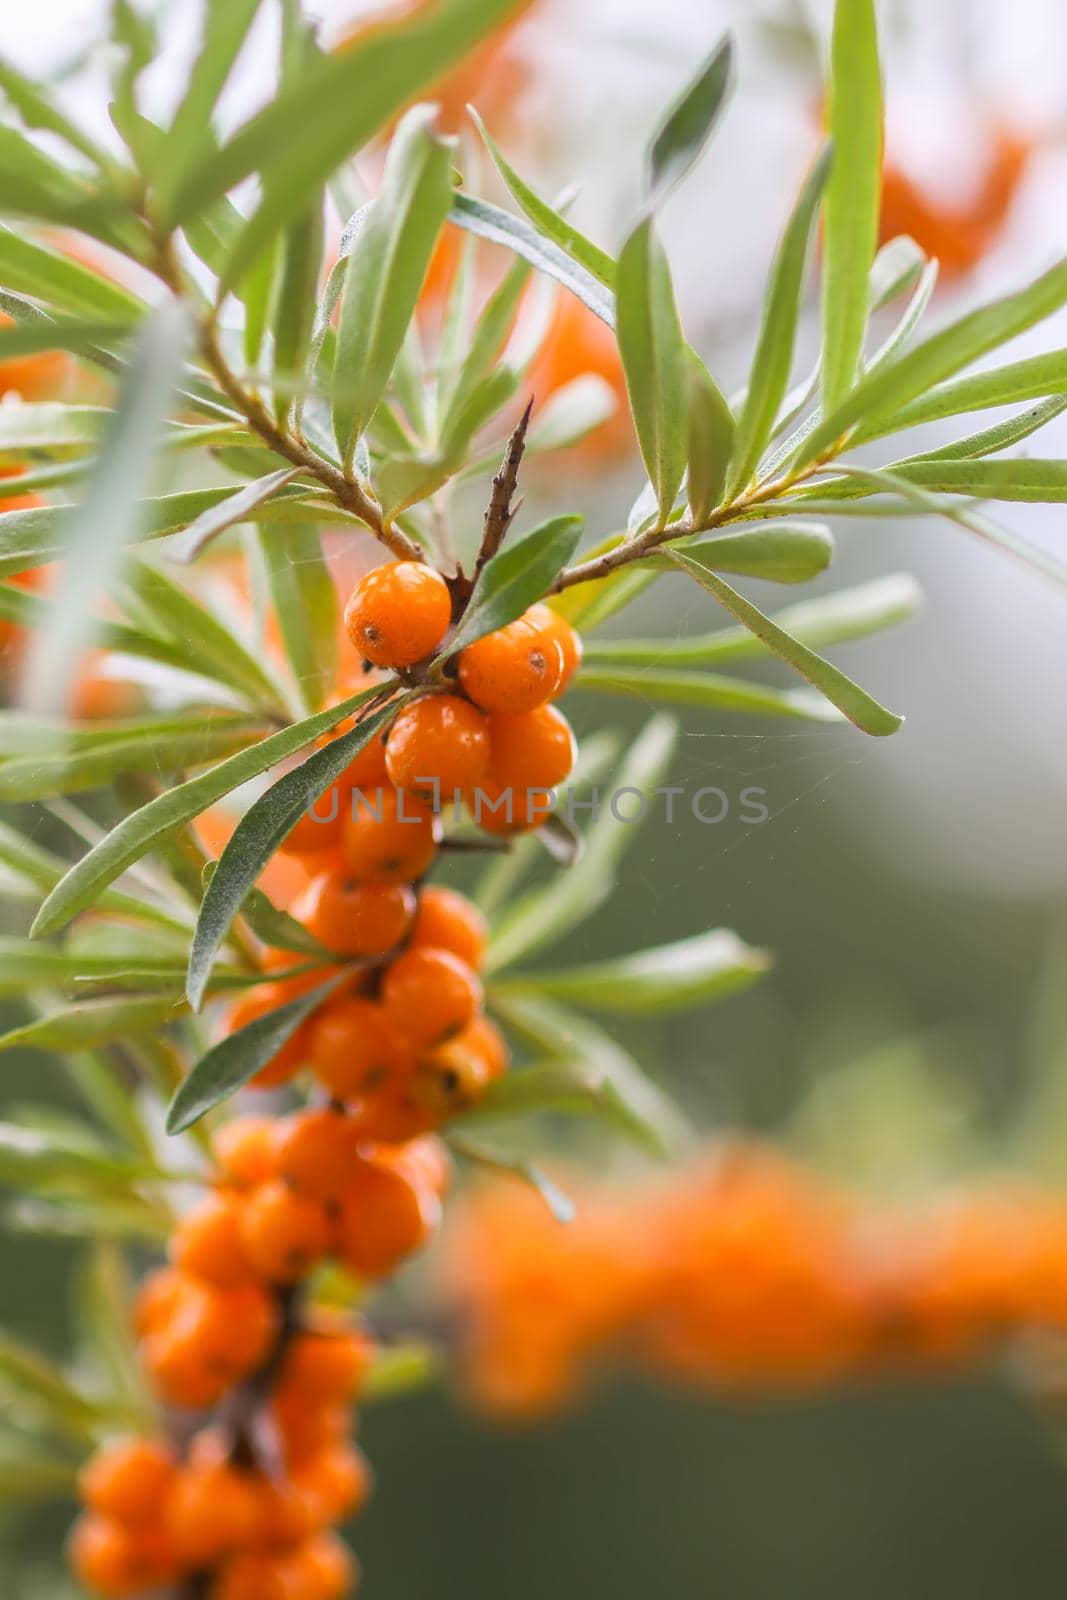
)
(499, 516)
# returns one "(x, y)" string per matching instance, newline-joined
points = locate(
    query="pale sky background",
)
(974, 789)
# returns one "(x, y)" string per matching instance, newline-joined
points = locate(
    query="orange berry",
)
(355, 919)
(325, 1569)
(531, 749)
(213, 1510)
(514, 669)
(389, 1115)
(327, 1366)
(110, 1558)
(568, 639)
(399, 613)
(127, 1479)
(284, 1234)
(207, 1241)
(390, 837)
(457, 1074)
(336, 1483)
(244, 1150)
(158, 1300)
(430, 995)
(213, 1339)
(388, 1212)
(255, 1576)
(438, 747)
(176, 1369)
(307, 1429)
(314, 1151)
(447, 919)
(531, 754)
(355, 1048)
(319, 828)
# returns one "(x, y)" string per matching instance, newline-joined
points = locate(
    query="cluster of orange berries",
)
(403, 1042)
(745, 1271)
(400, 1045)
(221, 1323)
(488, 735)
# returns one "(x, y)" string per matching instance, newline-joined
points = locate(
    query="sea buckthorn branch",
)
(237, 1497)
(745, 1271)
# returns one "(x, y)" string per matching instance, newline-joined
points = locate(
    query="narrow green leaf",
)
(610, 1076)
(70, 771)
(210, 647)
(853, 193)
(901, 335)
(710, 441)
(261, 830)
(1001, 436)
(112, 514)
(921, 501)
(257, 291)
(62, 282)
(671, 978)
(895, 270)
(517, 235)
(546, 219)
(1022, 479)
(39, 1158)
(773, 360)
(502, 1162)
(831, 619)
(782, 552)
(669, 686)
(189, 138)
(32, 1378)
(229, 1065)
(519, 573)
(293, 313)
(106, 1305)
(39, 111)
(571, 413)
(33, 537)
(854, 702)
(1030, 379)
(137, 833)
(655, 360)
(547, 913)
(339, 102)
(684, 132)
(304, 599)
(560, 839)
(187, 545)
(886, 392)
(94, 1022)
(65, 333)
(386, 269)
(483, 346)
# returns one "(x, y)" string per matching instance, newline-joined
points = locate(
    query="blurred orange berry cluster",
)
(745, 1271)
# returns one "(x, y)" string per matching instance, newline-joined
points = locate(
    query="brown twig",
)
(498, 517)
(653, 538)
(348, 492)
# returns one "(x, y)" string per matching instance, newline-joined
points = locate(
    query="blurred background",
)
(915, 1026)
